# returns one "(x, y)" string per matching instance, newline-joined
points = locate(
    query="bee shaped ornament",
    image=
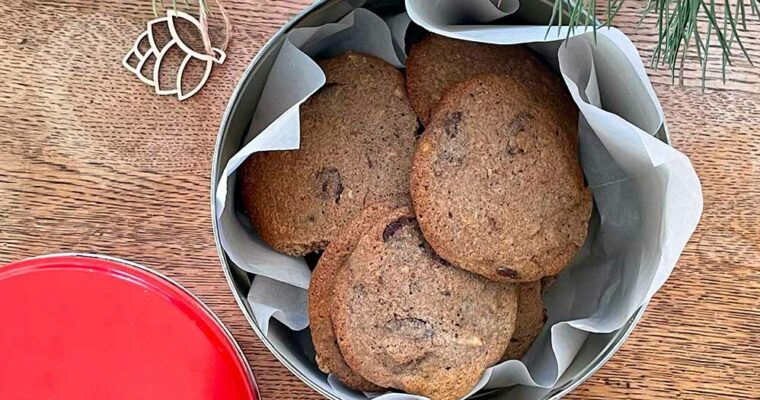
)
(138, 57)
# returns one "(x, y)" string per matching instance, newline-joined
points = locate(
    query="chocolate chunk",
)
(509, 273)
(410, 326)
(455, 151)
(330, 184)
(517, 124)
(394, 226)
(518, 142)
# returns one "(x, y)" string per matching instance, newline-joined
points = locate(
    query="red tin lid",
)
(78, 327)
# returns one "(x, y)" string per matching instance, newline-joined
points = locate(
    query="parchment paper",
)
(647, 195)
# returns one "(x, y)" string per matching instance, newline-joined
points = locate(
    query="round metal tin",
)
(597, 350)
(77, 326)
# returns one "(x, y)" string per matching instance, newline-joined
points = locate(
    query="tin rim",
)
(230, 338)
(594, 365)
(215, 171)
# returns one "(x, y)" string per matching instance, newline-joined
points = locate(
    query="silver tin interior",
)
(597, 349)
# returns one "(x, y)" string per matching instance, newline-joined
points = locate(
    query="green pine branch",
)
(678, 27)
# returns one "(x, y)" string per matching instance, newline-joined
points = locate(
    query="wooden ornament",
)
(158, 54)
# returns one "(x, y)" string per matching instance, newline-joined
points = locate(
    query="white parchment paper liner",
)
(647, 195)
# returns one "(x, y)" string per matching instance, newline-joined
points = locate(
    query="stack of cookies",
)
(439, 201)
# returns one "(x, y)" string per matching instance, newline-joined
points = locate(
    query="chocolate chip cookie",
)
(531, 318)
(407, 319)
(437, 62)
(357, 140)
(496, 181)
(329, 357)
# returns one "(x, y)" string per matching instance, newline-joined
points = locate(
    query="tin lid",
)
(77, 327)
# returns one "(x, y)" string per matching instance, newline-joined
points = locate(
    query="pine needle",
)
(677, 27)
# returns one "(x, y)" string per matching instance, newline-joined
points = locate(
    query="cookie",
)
(496, 182)
(357, 139)
(437, 62)
(407, 319)
(329, 358)
(531, 318)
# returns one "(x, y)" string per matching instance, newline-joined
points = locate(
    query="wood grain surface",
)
(92, 161)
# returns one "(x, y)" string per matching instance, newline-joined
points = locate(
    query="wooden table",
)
(92, 161)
